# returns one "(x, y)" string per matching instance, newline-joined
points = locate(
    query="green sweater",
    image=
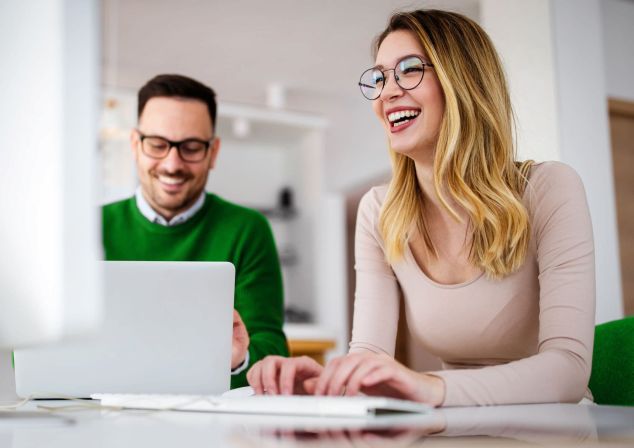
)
(219, 231)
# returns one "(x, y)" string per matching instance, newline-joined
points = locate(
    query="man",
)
(171, 218)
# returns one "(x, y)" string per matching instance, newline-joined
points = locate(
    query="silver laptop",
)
(167, 329)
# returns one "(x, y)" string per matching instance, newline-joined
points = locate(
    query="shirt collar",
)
(146, 210)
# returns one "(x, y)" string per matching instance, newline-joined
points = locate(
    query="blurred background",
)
(302, 145)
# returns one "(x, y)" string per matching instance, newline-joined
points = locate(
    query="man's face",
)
(171, 185)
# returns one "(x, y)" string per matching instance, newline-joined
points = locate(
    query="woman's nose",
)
(391, 89)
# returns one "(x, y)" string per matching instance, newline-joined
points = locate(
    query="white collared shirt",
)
(146, 210)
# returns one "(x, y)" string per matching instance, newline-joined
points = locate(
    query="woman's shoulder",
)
(552, 181)
(373, 199)
(551, 174)
(370, 207)
(555, 194)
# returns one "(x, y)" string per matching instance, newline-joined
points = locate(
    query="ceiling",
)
(315, 49)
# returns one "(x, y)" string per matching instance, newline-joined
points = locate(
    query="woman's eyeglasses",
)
(408, 74)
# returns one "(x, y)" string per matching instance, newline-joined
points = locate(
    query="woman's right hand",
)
(275, 375)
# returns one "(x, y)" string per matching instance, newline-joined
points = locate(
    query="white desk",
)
(544, 425)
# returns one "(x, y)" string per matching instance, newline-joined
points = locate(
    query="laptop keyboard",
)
(360, 406)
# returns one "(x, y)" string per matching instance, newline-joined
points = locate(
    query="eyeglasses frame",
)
(177, 145)
(393, 70)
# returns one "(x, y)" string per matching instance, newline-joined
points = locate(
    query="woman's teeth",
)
(402, 116)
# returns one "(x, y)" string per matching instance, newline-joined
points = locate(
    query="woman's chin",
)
(414, 150)
(400, 148)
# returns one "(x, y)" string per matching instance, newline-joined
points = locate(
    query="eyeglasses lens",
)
(155, 147)
(408, 74)
(371, 83)
(189, 150)
(192, 151)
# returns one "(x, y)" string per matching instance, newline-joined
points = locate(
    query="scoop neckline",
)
(412, 260)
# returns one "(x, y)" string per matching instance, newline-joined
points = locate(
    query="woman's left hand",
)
(379, 375)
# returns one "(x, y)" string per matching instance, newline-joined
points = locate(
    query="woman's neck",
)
(425, 176)
(433, 204)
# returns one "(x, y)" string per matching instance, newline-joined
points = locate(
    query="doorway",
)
(622, 136)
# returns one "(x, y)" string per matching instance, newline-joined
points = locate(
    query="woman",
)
(494, 258)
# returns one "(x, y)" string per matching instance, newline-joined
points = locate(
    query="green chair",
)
(612, 378)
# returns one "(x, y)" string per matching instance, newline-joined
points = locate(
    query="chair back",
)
(612, 378)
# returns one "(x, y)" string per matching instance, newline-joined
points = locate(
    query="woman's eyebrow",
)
(381, 66)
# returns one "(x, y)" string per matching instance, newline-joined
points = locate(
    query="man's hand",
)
(239, 342)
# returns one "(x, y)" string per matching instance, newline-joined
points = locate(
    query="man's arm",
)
(259, 295)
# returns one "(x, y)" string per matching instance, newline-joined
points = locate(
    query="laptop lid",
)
(167, 329)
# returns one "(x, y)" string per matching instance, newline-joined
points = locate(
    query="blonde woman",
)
(494, 258)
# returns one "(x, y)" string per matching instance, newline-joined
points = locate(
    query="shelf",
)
(307, 332)
(272, 116)
(309, 340)
(315, 349)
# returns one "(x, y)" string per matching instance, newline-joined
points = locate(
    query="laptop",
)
(167, 330)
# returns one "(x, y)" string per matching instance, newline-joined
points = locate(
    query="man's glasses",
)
(189, 150)
(408, 74)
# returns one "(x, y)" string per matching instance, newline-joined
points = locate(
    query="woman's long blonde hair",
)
(474, 160)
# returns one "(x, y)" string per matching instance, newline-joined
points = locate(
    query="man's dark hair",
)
(178, 86)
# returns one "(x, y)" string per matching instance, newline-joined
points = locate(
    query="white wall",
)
(618, 39)
(522, 33)
(316, 52)
(331, 309)
(49, 279)
(553, 51)
(48, 122)
(584, 135)
(355, 142)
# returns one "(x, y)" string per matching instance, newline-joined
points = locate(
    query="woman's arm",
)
(376, 304)
(559, 372)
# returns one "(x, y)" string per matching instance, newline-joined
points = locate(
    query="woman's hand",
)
(275, 375)
(381, 375)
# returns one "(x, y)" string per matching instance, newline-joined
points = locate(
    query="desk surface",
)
(542, 425)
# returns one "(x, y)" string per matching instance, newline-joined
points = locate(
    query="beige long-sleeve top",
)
(526, 338)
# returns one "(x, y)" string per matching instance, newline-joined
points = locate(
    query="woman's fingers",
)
(369, 373)
(395, 380)
(263, 375)
(254, 377)
(309, 385)
(275, 375)
(382, 374)
(287, 378)
(334, 380)
(338, 380)
(353, 386)
(270, 373)
(295, 371)
(326, 376)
